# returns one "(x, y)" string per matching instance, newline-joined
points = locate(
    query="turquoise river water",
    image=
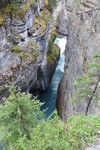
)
(49, 96)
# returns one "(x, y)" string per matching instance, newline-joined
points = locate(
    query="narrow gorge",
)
(49, 96)
(29, 56)
(30, 50)
(50, 59)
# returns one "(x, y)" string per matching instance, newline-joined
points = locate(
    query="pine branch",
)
(90, 99)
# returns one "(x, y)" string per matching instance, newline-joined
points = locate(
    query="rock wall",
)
(83, 42)
(23, 50)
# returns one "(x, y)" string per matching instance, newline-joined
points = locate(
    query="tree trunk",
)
(90, 99)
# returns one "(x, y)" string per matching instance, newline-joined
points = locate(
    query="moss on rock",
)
(16, 48)
(53, 52)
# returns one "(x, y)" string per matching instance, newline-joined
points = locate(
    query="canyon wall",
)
(24, 38)
(83, 42)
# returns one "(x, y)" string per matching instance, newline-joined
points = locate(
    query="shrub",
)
(46, 15)
(15, 6)
(8, 9)
(26, 55)
(18, 116)
(51, 46)
(53, 134)
(33, 48)
(1, 20)
(54, 34)
(53, 52)
(16, 48)
(23, 126)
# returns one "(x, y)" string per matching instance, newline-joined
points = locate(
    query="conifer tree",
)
(89, 84)
(19, 114)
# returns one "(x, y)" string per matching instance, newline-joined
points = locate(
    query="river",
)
(49, 96)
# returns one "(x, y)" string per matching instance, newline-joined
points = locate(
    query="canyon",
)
(43, 53)
(25, 59)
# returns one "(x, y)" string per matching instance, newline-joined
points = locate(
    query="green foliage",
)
(51, 5)
(53, 51)
(21, 9)
(26, 55)
(51, 46)
(41, 20)
(23, 126)
(88, 83)
(8, 9)
(16, 48)
(46, 15)
(77, 2)
(15, 5)
(33, 47)
(46, 2)
(1, 20)
(54, 34)
(55, 135)
(18, 116)
(16, 8)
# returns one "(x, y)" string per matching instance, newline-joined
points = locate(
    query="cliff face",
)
(83, 42)
(24, 40)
